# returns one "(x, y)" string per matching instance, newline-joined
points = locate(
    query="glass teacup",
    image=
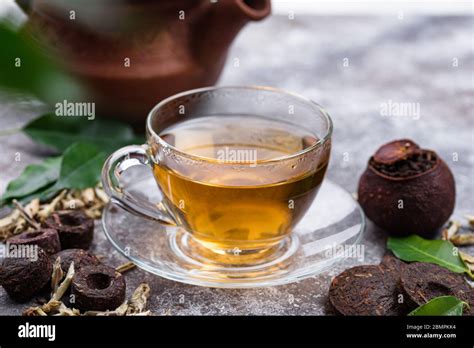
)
(237, 167)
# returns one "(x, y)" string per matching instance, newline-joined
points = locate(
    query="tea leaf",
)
(443, 305)
(25, 68)
(80, 168)
(60, 132)
(33, 178)
(440, 252)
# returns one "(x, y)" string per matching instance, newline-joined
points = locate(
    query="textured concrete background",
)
(350, 65)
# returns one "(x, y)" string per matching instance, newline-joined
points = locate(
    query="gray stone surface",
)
(408, 60)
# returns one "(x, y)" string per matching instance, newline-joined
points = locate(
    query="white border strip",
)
(372, 7)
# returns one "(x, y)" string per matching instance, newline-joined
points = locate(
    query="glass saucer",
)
(333, 223)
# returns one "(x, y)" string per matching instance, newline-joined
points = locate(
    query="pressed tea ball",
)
(407, 190)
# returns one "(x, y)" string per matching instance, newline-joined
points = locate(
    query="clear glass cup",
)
(233, 212)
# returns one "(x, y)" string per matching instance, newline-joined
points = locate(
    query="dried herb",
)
(463, 239)
(47, 209)
(125, 267)
(26, 214)
(139, 299)
(88, 196)
(57, 275)
(470, 219)
(61, 289)
(14, 223)
(443, 305)
(468, 260)
(452, 229)
(120, 311)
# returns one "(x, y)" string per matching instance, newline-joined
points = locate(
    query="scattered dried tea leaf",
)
(20, 226)
(466, 257)
(100, 193)
(64, 284)
(49, 208)
(452, 229)
(468, 260)
(463, 239)
(34, 312)
(71, 204)
(141, 314)
(10, 219)
(70, 312)
(51, 306)
(32, 208)
(55, 304)
(120, 311)
(8, 224)
(139, 299)
(470, 219)
(125, 267)
(58, 274)
(25, 214)
(88, 196)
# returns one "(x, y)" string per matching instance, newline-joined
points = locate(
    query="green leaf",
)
(440, 252)
(60, 132)
(80, 168)
(443, 305)
(33, 178)
(25, 68)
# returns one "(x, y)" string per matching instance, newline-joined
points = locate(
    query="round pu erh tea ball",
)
(407, 190)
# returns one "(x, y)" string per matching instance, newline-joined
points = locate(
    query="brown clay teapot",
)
(130, 54)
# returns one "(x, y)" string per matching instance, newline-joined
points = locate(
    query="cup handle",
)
(114, 166)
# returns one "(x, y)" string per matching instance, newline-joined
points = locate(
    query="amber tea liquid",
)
(231, 207)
